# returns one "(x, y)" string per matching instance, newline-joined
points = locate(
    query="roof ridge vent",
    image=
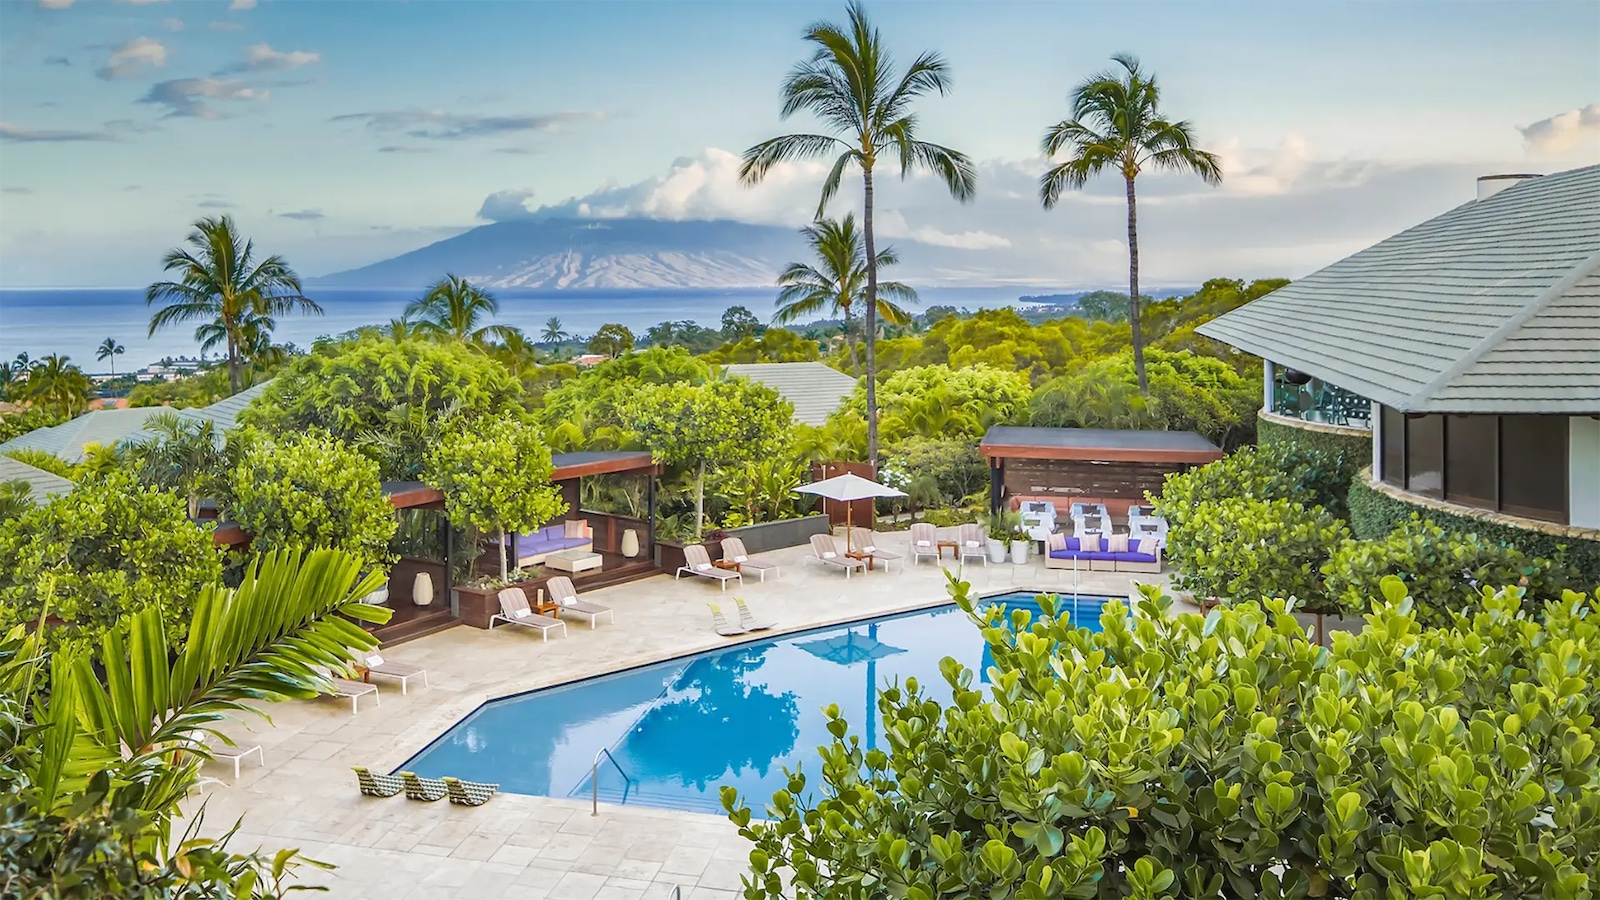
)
(1489, 185)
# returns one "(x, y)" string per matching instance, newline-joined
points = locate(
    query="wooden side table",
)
(953, 546)
(864, 557)
(727, 564)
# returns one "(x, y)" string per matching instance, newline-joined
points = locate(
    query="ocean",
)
(74, 322)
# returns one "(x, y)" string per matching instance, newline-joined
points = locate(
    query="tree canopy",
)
(311, 490)
(495, 476)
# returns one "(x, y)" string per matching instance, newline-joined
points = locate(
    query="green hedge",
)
(1374, 515)
(1355, 448)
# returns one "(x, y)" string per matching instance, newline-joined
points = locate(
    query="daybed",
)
(531, 549)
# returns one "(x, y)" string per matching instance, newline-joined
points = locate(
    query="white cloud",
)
(892, 224)
(1565, 132)
(262, 58)
(133, 58)
(242, 4)
(172, 24)
(1263, 172)
(184, 97)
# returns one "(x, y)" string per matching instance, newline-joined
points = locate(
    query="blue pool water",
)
(681, 729)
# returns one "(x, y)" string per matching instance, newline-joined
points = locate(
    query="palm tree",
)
(186, 457)
(1117, 124)
(852, 85)
(55, 383)
(516, 351)
(110, 349)
(837, 283)
(552, 331)
(452, 307)
(221, 285)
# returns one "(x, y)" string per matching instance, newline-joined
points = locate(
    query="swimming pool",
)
(683, 728)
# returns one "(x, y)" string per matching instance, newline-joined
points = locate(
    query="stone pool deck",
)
(537, 847)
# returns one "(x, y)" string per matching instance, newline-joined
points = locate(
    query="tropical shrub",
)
(612, 340)
(585, 412)
(771, 345)
(1443, 571)
(940, 401)
(100, 553)
(312, 491)
(1262, 472)
(1187, 393)
(1217, 756)
(41, 459)
(385, 397)
(99, 745)
(937, 471)
(762, 490)
(16, 424)
(495, 477)
(1242, 549)
(715, 425)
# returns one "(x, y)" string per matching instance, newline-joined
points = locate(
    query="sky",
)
(343, 132)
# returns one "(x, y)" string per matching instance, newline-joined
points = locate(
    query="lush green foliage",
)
(495, 476)
(56, 385)
(1443, 571)
(1187, 393)
(454, 308)
(101, 552)
(940, 401)
(1180, 756)
(772, 345)
(611, 340)
(100, 747)
(705, 426)
(16, 424)
(762, 490)
(1243, 549)
(685, 333)
(837, 282)
(43, 460)
(1004, 339)
(186, 457)
(585, 412)
(201, 389)
(936, 471)
(384, 396)
(1264, 472)
(312, 491)
(1374, 514)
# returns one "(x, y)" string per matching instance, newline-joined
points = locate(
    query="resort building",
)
(120, 426)
(815, 390)
(1465, 351)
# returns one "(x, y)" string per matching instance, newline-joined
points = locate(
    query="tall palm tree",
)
(854, 88)
(516, 351)
(553, 333)
(453, 307)
(54, 383)
(221, 285)
(109, 349)
(837, 282)
(1117, 124)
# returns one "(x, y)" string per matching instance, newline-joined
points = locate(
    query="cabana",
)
(1091, 465)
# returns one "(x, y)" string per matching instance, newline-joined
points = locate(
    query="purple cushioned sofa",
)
(531, 549)
(1090, 553)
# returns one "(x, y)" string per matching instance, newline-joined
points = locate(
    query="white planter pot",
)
(1019, 552)
(630, 543)
(997, 550)
(422, 589)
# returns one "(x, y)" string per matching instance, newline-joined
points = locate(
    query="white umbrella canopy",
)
(845, 488)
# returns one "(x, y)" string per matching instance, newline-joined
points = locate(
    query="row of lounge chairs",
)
(735, 562)
(747, 620)
(428, 790)
(865, 552)
(515, 610)
(373, 664)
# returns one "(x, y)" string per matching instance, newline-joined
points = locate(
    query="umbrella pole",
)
(849, 523)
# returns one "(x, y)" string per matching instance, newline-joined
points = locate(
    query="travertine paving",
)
(536, 847)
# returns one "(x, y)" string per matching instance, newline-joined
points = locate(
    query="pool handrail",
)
(594, 779)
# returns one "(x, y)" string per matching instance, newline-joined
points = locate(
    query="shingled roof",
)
(110, 427)
(813, 388)
(1493, 307)
(41, 484)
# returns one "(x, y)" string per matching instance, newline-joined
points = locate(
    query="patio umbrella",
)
(849, 650)
(846, 488)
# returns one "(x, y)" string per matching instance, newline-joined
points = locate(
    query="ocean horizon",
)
(73, 321)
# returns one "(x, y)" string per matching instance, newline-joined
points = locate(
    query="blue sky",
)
(343, 132)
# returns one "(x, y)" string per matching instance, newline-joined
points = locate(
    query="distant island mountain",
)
(552, 254)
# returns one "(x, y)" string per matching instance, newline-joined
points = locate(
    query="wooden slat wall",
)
(1085, 478)
(865, 512)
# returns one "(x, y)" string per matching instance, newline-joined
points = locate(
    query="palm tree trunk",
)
(235, 374)
(1133, 290)
(850, 341)
(871, 318)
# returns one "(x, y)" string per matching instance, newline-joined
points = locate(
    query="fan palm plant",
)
(1117, 125)
(453, 307)
(837, 282)
(55, 384)
(853, 87)
(220, 285)
(109, 349)
(186, 456)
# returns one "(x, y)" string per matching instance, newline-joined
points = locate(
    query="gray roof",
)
(1493, 307)
(108, 427)
(41, 483)
(813, 388)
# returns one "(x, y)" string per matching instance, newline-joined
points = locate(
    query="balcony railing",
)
(1318, 401)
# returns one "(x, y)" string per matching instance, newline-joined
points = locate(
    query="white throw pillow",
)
(924, 543)
(523, 613)
(740, 559)
(869, 549)
(703, 567)
(375, 660)
(1150, 546)
(829, 555)
(972, 543)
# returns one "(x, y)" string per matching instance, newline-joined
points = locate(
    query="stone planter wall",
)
(757, 539)
(476, 605)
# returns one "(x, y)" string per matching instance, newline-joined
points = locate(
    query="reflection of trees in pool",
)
(715, 722)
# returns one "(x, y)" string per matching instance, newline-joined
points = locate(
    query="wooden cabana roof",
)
(1097, 444)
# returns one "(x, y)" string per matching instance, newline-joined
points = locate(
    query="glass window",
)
(1470, 450)
(1393, 435)
(1425, 455)
(1533, 467)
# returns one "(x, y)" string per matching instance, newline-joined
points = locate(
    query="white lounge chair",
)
(698, 562)
(344, 687)
(747, 619)
(924, 542)
(734, 552)
(722, 625)
(826, 552)
(970, 543)
(219, 748)
(866, 541)
(375, 664)
(514, 610)
(564, 595)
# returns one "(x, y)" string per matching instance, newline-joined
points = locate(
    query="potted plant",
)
(998, 533)
(1019, 541)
